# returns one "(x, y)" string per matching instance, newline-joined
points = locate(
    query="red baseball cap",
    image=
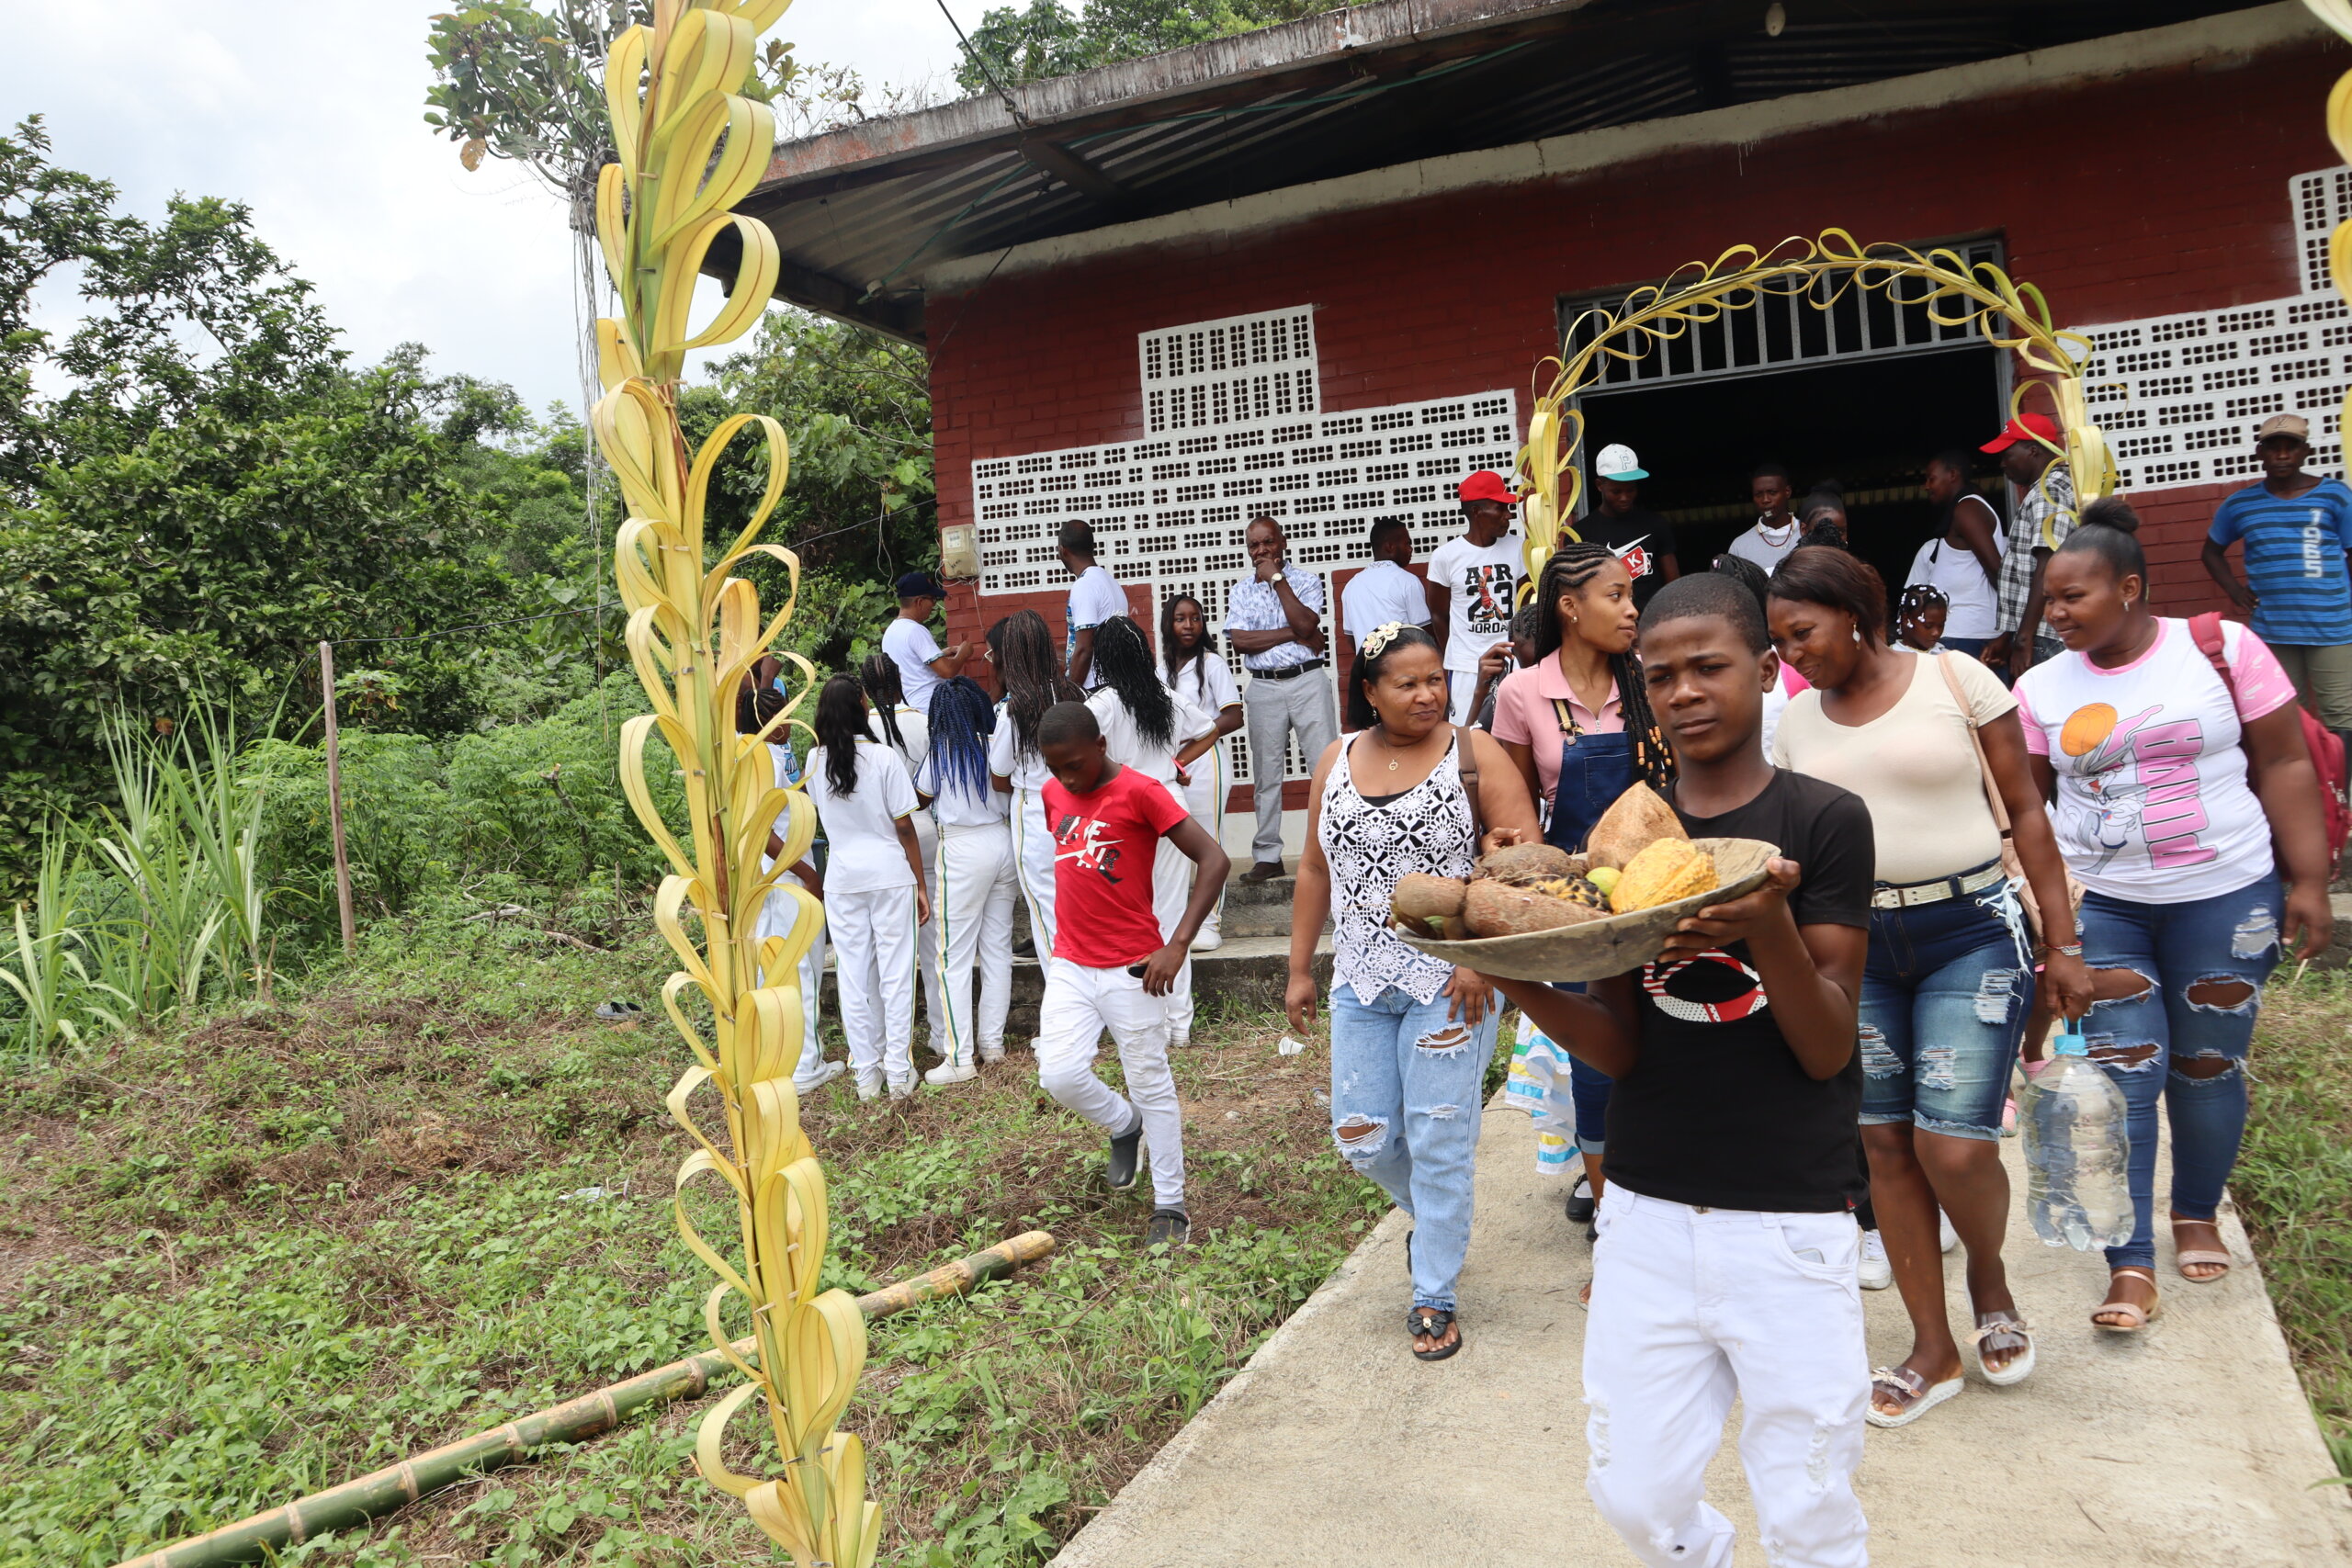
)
(1488, 485)
(2025, 427)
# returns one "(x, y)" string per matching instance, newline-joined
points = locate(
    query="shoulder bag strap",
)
(1465, 762)
(2206, 629)
(1968, 720)
(1569, 724)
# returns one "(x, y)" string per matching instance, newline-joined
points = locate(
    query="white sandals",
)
(1920, 1396)
(2020, 1366)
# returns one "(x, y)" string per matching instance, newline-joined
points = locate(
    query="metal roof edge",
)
(2231, 37)
(1245, 57)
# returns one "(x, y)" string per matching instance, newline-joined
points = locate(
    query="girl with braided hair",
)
(1577, 725)
(1031, 674)
(1920, 616)
(973, 880)
(905, 730)
(1145, 726)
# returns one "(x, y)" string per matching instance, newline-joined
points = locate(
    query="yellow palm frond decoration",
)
(691, 145)
(1819, 271)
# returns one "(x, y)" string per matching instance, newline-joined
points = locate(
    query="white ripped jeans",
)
(1690, 1308)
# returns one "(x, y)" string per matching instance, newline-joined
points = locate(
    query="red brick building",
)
(1404, 205)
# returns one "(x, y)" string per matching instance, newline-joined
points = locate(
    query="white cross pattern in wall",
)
(1235, 430)
(2180, 397)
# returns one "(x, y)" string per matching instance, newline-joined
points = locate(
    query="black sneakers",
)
(1124, 1148)
(1169, 1228)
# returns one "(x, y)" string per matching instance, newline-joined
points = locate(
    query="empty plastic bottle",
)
(2077, 1151)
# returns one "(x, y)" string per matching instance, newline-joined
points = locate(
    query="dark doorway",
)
(1871, 424)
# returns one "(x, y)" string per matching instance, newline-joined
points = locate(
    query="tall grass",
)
(58, 999)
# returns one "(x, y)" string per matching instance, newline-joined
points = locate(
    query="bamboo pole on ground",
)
(396, 1487)
(335, 798)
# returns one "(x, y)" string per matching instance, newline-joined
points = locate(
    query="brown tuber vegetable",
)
(1523, 865)
(1494, 907)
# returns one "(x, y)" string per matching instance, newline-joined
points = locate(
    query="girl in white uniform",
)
(1030, 671)
(1144, 725)
(908, 733)
(1202, 678)
(974, 882)
(874, 891)
(780, 913)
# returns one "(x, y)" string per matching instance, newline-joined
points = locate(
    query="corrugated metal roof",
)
(858, 212)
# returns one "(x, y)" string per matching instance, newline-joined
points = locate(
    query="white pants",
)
(1033, 862)
(1461, 685)
(778, 915)
(1205, 797)
(1691, 1308)
(1171, 890)
(973, 917)
(1080, 1004)
(874, 966)
(934, 1006)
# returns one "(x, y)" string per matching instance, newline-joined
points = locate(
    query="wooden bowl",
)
(1595, 949)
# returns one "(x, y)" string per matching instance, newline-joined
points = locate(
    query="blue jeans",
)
(1945, 994)
(1408, 1082)
(1969, 646)
(2229, 941)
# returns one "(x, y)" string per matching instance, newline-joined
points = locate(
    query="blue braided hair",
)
(961, 716)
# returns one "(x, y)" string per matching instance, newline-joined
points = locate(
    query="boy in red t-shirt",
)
(1110, 969)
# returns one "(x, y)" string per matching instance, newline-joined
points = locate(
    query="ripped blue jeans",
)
(2205, 962)
(1945, 993)
(1407, 1086)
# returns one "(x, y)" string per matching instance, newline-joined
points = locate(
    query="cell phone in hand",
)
(1136, 970)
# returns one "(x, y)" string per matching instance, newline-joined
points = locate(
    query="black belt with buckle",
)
(1287, 672)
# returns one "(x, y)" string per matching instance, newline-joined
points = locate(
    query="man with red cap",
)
(1479, 572)
(2032, 454)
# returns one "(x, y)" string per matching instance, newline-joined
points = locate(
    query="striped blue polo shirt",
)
(2294, 560)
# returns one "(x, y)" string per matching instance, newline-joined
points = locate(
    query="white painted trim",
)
(2232, 40)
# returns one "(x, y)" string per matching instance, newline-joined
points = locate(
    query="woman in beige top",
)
(1951, 972)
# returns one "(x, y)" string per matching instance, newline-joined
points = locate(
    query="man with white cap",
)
(2297, 527)
(1642, 539)
(1480, 570)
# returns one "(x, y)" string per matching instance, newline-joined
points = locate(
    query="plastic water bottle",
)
(2077, 1151)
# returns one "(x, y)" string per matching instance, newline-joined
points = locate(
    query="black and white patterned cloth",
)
(1429, 828)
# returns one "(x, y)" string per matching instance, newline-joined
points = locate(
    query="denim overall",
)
(1594, 771)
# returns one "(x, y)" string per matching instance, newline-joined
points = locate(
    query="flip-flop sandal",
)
(2020, 1366)
(2137, 1317)
(1431, 1323)
(1919, 1395)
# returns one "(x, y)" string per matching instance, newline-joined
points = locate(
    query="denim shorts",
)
(1945, 995)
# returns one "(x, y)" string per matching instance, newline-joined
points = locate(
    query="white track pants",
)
(874, 966)
(778, 915)
(973, 917)
(1691, 1308)
(1171, 889)
(1033, 860)
(934, 1005)
(1080, 1004)
(1205, 797)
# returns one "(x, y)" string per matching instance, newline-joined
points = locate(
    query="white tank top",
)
(1952, 568)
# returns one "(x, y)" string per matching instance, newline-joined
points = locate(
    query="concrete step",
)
(1260, 909)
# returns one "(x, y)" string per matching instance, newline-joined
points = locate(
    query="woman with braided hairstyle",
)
(1577, 725)
(1030, 671)
(905, 730)
(974, 881)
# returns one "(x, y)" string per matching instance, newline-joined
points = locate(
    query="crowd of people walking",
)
(2014, 797)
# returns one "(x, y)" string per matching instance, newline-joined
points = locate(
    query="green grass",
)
(271, 1251)
(2293, 1186)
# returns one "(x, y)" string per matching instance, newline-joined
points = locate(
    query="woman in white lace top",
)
(1410, 1036)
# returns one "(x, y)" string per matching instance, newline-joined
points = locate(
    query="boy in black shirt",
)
(1727, 1260)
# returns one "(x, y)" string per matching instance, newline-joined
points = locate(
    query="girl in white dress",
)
(1188, 651)
(974, 877)
(908, 733)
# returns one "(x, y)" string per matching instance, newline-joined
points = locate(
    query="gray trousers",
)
(1276, 709)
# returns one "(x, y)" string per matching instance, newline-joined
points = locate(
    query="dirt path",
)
(2192, 1445)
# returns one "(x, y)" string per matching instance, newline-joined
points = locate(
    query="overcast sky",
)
(313, 114)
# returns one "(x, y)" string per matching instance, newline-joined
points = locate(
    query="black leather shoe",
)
(1125, 1149)
(1580, 1200)
(1169, 1228)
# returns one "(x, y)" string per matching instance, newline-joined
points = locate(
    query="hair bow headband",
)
(1382, 636)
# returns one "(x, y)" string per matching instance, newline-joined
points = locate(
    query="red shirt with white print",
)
(1105, 845)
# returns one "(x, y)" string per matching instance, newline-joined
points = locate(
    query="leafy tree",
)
(1048, 39)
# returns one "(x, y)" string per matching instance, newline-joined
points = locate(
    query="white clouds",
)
(313, 114)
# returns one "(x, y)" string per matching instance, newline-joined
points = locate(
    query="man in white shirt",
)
(1094, 598)
(1385, 590)
(1274, 619)
(1479, 572)
(909, 642)
(1768, 544)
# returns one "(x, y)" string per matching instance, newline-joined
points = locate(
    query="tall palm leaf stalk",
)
(692, 143)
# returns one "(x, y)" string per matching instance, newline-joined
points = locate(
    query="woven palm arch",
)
(1819, 271)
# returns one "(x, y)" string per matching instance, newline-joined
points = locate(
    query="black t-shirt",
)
(1717, 1111)
(1639, 538)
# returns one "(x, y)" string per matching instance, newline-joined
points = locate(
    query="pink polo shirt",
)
(1523, 714)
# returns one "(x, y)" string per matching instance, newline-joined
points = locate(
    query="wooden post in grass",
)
(335, 798)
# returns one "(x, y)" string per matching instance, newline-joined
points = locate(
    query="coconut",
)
(1637, 819)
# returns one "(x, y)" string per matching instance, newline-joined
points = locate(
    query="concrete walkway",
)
(2191, 1445)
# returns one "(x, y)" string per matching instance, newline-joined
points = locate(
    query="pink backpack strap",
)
(2206, 631)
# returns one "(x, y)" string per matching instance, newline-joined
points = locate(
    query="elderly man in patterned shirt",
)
(1275, 621)
(2045, 516)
